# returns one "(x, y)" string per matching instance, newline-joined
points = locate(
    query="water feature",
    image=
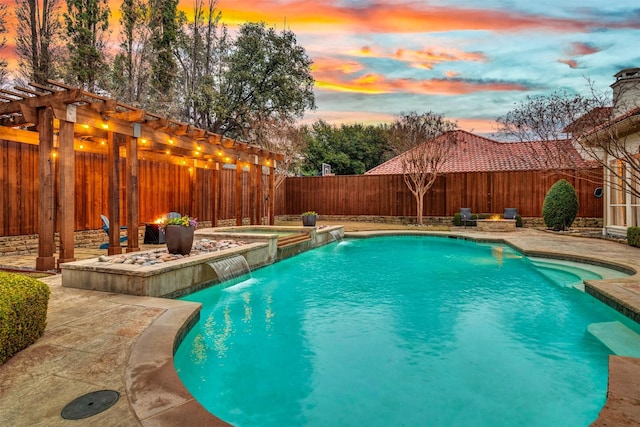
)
(401, 331)
(336, 234)
(230, 268)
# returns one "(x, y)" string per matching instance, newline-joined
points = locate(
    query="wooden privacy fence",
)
(388, 195)
(163, 187)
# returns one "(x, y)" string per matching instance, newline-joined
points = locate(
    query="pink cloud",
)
(581, 49)
(572, 63)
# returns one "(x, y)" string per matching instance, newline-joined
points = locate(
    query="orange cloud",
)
(335, 80)
(412, 17)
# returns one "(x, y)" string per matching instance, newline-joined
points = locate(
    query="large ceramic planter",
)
(179, 239)
(309, 220)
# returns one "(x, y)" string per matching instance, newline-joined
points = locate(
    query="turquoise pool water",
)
(410, 331)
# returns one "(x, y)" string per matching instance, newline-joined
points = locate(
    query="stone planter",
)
(309, 220)
(179, 239)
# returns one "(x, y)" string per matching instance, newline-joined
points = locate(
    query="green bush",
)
(633, 236)
(560, 206)
(23, 312)
(457, 220)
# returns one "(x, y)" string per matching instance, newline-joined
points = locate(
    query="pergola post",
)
(113, 198)
(253, 213)
(258, 187)
(133, 220)
(66, 202)
(46, 243)
(238, 192)
(272, 199)
(214, 197)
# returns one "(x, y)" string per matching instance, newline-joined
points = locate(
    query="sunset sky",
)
(469, 60)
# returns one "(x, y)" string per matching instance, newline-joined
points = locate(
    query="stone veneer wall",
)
(433, 220)
(28, 244)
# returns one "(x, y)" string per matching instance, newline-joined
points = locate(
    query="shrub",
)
(23, 312)
(457, 220)
(560, 206)
(633, 236)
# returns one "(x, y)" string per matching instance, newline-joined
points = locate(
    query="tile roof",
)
(475, 153)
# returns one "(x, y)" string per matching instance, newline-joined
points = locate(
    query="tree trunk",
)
(420, 205)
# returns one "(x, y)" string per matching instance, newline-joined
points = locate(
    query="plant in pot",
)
(179, 234)
(309, 218)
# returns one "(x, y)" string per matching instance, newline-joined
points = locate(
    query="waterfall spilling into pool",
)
(230, 268)
(336, 234)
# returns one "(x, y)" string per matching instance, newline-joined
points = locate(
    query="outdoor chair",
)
(465, 216)
(510, 213)
(106, 228)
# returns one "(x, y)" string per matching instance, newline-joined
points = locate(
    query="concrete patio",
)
(97, 340)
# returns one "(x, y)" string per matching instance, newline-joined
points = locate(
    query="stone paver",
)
(98, 340)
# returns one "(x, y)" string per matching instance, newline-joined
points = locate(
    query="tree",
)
(350, 149)
(87, 22)
(129, 77)
(289, 140)
(266, 75)
(3, 40)
(423, 143)
(164, 24)
(38, 33)
(594, 126)
(201, 44)
(547, 119)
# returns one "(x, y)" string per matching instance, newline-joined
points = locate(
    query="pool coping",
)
(158, 397)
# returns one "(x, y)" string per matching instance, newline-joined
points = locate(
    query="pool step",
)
(617, 337)
(293, 239)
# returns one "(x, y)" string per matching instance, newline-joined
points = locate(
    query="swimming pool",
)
(400, 331)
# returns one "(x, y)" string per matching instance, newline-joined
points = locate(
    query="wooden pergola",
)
(60, 119)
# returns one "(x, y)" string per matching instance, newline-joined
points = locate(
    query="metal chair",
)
(106, 228)
(465, 216)
(510, 213)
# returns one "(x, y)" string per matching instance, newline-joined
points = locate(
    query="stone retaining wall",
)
(433, 220)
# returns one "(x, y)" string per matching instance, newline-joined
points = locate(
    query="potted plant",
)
(179, 234)
(309, 218)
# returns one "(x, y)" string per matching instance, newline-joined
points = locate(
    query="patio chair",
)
(510, 213)
(465, 216)
(106, 228)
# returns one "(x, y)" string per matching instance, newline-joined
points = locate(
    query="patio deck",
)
(96, 340)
